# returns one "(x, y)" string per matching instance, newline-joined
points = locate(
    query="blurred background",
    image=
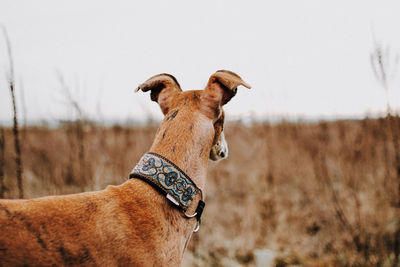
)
(313, 176)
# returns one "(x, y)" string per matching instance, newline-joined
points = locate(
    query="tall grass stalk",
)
(76, 132)
(2, 162)
(384, 65)
(17, 146)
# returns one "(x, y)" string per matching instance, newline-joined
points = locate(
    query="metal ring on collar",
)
(190, 216)
(197, 227)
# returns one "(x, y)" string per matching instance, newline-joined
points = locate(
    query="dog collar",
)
(170, 181)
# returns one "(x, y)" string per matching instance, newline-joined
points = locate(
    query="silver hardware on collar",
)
(173, 200)
(197, 227)
(190, 216)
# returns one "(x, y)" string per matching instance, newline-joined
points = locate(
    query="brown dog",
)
(131, 224)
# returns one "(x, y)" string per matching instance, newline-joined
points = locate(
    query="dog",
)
(132, 224)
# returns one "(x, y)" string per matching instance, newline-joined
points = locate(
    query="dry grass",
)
(316, 194)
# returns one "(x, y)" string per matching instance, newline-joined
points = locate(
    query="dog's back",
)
(96, 228)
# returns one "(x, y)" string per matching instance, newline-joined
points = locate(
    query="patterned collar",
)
(170, 181)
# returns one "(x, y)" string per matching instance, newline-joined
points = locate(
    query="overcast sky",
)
(302, 58)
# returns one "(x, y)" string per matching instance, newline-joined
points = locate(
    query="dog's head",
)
(200, 112)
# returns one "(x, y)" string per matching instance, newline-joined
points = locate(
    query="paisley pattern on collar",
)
(167, 177)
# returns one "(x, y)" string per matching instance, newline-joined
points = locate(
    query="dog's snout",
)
(220, 149)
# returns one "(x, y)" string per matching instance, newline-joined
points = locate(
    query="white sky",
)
(302, 58)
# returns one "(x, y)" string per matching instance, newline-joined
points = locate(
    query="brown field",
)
(314, 194)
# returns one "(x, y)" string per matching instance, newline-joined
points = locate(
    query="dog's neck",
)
(189, 148)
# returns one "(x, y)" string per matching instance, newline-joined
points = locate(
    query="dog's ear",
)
(221, 87)
(164, 87)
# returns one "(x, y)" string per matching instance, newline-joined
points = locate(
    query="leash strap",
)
(170, 181)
